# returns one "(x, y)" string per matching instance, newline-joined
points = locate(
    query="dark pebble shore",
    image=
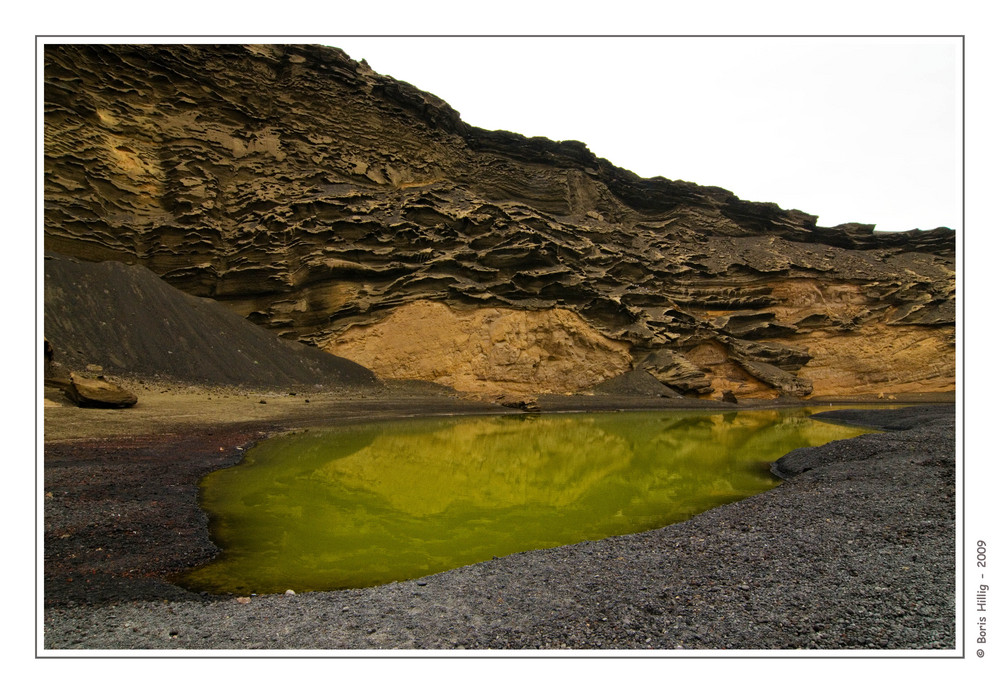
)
(856, 550)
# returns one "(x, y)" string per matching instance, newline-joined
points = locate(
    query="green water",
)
(363, 505)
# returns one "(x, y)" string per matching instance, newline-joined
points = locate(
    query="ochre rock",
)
(345, 209)
(97, 392)
(486, 350)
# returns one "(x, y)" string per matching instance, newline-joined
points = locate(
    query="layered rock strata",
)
(348, 210)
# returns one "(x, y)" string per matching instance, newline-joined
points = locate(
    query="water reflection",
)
(364, 505)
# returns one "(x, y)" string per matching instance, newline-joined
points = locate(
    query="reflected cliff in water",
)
(363, 505)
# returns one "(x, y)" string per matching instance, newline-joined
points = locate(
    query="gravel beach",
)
(856, 550)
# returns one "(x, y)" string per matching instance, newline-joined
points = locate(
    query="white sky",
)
(850, 129)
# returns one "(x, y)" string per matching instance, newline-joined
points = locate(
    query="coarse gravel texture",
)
(857, 552)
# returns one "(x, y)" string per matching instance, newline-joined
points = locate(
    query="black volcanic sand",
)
(129, 321)
(855, 553)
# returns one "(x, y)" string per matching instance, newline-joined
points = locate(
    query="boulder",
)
(97, 392)
(518, 403)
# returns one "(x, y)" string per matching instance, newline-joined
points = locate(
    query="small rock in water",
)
(513, 401)
(289, 592)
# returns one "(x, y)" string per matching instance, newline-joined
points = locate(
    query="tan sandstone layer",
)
(487, 350)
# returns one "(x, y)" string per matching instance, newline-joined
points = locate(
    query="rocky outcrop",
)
(98, 392)
(485, 350)
(350, 211)
(636, 382)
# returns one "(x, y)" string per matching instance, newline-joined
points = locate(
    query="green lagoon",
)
(363, 505)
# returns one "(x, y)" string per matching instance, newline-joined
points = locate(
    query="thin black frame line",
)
(507, 36)
(961, 620)
(35, 337)
(498, 656)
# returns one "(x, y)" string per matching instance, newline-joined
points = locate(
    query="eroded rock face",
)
(486, 350)
(344, 209)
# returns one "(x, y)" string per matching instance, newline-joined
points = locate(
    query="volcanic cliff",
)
(356, 213)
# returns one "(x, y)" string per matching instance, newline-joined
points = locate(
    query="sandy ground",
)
(855, 553)
(170, 408)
